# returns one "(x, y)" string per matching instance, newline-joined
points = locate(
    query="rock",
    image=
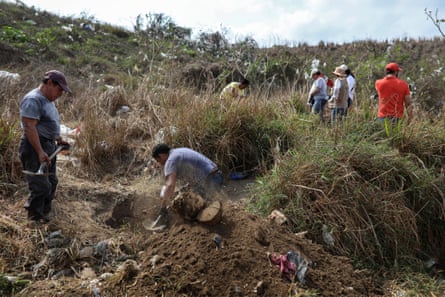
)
(86, 252)
(277, 217)
(87, 273)
(101, 249)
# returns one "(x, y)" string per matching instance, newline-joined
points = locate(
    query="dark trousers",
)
(42, 188)
(208, 186)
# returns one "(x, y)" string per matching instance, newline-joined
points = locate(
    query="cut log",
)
(211, 214)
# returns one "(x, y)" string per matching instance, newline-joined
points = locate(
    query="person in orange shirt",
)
(394, 95)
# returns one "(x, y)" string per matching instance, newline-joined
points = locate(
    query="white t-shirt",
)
(351, 85)
(319, 83)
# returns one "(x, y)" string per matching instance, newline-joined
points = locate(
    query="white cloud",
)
(273, 21)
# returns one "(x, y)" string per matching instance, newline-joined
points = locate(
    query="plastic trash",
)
(292, 265)
(67, 131)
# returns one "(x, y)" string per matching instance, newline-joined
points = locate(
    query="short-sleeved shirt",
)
(392, 92)
(35, 105)
(232, 90)
(319, 83)
(188, 164)
(351, 85)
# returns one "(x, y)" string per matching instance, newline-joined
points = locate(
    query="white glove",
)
(162, 194)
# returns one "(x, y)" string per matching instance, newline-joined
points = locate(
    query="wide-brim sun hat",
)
(339, 71)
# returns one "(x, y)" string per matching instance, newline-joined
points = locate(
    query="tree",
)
(435, 19)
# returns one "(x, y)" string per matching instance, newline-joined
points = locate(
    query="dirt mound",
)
(185, 261)
(96, 246)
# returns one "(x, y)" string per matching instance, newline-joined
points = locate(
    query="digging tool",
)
(159, 224)
(152, 226)
(41, 170)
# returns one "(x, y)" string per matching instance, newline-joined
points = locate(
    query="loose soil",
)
(180, 261)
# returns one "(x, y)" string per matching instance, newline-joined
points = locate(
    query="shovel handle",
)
(42, 167)
(58, 150)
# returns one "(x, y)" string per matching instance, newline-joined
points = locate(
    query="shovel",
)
(41, 170)
(157, 225)
(152, 226)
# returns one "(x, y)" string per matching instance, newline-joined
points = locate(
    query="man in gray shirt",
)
(187, 165)
(41, 131)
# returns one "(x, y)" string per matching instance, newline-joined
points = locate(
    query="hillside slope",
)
(96, 245)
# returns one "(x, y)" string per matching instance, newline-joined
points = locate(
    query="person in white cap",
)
(41, 134)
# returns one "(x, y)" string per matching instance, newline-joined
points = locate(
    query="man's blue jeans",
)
(318, 107)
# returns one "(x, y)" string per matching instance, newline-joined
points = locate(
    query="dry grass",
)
(378, 191)
(14, 245)
(380, 204)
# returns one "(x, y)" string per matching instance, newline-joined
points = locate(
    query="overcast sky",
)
(271, 22)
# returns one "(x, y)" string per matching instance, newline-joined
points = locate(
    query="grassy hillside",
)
(380, 191)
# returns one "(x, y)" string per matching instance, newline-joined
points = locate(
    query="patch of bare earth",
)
(105, 251)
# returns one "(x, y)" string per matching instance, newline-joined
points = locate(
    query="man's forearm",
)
(166, 195)
(33, 138)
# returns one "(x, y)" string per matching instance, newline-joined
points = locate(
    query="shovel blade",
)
(154, 226)
(27, 172)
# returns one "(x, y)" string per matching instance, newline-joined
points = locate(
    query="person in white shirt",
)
(318, 93)
(350, 78)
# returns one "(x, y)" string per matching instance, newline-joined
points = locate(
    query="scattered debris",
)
(164, 134)
(9, 77)
(154, 260)
(292, 265)
(327, 232)
(217, 239)
(123, 109)
(277, 217)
